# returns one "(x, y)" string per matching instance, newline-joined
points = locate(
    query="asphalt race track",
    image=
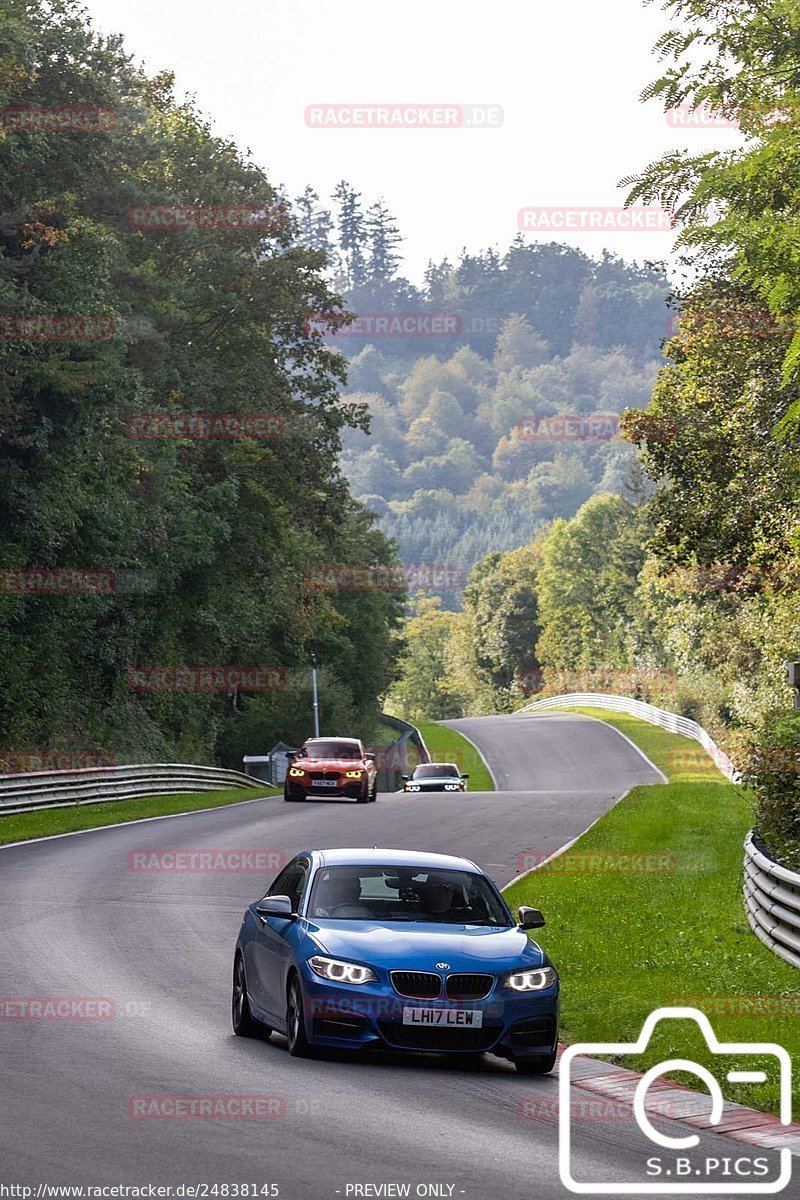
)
(77, 921)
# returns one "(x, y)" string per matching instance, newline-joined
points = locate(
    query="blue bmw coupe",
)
(396, 950)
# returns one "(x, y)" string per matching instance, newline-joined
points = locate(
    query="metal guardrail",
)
(772, 901)
(645, 712)
(91, 785)
(771, 891)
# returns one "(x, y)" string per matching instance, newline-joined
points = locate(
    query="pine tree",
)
(384, 238)
(352, 233)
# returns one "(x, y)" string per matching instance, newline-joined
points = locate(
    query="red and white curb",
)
(682, 1104)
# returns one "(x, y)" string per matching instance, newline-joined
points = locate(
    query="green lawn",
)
(445, 745)
(631, 934)
(110, 812)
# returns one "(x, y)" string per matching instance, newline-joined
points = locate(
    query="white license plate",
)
(325, 782)
(465, 1018)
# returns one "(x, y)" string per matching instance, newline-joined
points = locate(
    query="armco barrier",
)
(90, 785)
(772, 900)
(771, 892)
(645, 712)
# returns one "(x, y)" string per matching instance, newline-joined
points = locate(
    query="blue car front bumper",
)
(513, 1024)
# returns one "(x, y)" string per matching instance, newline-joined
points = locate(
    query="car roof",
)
(332, 738)
(378, 855)
(452, 766)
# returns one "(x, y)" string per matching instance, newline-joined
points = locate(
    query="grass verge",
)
(19, 827)
(446, 745)
(645, 910)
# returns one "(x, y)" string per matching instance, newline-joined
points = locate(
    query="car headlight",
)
(353, 774)
(451, 787)
(532, 981)
(341, 972)
(412, 787)
(295, 772)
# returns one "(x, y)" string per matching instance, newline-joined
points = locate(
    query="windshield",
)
(319, 750)
(436, 771)
(387, 893)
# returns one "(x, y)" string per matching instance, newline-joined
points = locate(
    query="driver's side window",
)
(291, 882)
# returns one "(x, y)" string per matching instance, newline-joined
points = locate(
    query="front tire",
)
(364, 797)
(243, 1021)
(536, 1064)
(296, 1037)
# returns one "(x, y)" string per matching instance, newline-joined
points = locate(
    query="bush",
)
(772, 771)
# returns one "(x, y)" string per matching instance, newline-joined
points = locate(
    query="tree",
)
(207, 543)
(422, 690)
(352, 233)
(383, 240)
(587, 587)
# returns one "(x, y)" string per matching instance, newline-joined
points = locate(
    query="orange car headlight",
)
(353, 774)
(296, 773)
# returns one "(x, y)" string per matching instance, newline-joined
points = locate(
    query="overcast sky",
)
(567, 76)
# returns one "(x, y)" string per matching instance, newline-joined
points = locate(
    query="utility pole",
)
(314, 689)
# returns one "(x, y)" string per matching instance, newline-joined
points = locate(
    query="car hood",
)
(419, 947)
(435, 783)
(330, 764)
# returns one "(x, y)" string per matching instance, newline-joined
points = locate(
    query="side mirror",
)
(465, 776)
(370, 757)
(530, 918)
(404, 778)
(274, 906)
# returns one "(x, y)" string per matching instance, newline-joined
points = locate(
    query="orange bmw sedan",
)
(332, 767)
